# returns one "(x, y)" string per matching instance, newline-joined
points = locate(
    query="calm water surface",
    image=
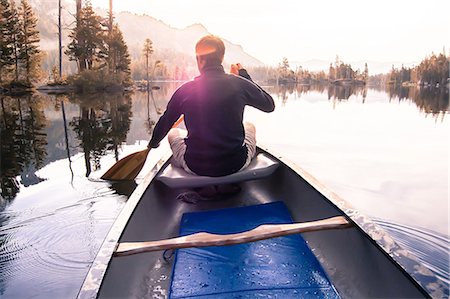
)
(384, 151)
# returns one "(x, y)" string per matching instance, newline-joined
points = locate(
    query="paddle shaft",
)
(204, 239)
(180, 119)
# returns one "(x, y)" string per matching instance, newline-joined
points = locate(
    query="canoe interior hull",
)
(357, 267)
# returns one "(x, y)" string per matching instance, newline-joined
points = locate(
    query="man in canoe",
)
(217, 143)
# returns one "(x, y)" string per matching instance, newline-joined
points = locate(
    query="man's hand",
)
(235, 68)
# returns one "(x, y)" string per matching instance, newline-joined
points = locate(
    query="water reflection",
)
(428, 246)
(334, 92)
(36, 130)
(23, 142)
(52, 218)
(100, 123)
(433, 101)
(429, 100)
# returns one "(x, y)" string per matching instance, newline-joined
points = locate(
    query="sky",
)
(355, 30)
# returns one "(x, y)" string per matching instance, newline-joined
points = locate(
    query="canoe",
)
(358, 261)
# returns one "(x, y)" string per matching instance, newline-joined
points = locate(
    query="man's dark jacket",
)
(213, 107)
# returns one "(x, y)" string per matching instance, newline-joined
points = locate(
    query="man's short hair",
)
(210, 48)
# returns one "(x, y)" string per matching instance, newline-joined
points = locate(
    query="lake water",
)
(384, 151)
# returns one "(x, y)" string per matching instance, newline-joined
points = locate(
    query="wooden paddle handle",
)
(178, 122)
(203, 239)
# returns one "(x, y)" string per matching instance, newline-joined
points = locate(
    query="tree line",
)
(432, 71)
(97, 46)
(284, 74)
(19, 44)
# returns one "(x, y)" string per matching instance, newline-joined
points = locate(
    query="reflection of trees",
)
(103, 125)
(66, 135)
(431, 100)
(9, 162)
(428, 99)
(284, 90)
(340, 93)
(166, 90)
(156, 100)
(23, 142)
(149, 123)
(34, 123)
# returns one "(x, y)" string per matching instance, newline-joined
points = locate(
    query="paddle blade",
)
(127, 168)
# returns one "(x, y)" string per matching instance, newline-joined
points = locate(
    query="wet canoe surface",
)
(282, 267)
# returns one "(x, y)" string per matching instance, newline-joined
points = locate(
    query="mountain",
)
(136, 28)
(172, 46)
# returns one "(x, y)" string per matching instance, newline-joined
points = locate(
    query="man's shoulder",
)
(243, 81)
(184, 87)
(236, 78)
(188, 84)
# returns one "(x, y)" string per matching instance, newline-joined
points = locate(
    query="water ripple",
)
(51, 249)
(431, 248)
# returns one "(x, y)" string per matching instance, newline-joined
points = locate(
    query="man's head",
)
(209, 50)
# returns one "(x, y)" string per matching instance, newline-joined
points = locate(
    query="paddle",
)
(129, 167)
(204, 239)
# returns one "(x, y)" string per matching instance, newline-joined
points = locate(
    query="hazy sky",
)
(379, 30)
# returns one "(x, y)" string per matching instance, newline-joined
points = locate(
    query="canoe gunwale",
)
(408, 263)
(97, 271)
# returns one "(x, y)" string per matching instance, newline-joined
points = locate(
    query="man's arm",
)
(166, 121)
(256, 96)
(245, 74)
(259, 98)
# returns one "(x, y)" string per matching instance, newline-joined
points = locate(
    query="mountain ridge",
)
(163, 36)
(180, 42)
(136, 28)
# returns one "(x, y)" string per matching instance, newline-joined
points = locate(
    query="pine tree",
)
(117, 55)
(87, 46)
(120, 58)
(331, 73)
(6, 45)
(16, 39)
(29, 51)
(148, 50)
(366, 73)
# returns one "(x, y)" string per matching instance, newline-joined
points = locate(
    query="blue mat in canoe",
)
(282, 267)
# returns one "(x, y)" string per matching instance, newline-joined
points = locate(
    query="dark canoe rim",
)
(408, 263)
